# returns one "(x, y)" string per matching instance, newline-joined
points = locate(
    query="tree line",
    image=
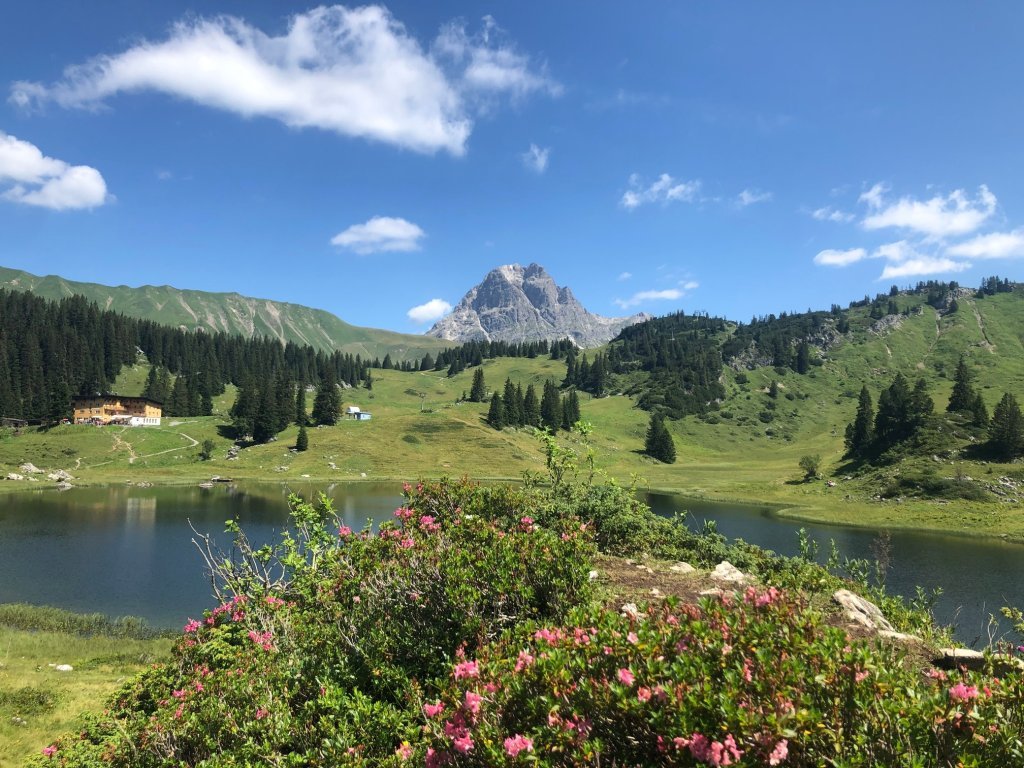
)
(52, 350)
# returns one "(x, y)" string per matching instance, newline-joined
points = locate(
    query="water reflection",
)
(977, 576)
(129, 550)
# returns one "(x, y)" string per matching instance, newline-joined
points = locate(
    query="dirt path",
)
(981, 327)
(121, 444)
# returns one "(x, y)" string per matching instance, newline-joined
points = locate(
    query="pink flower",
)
(466, 669)
(463, 744)
(516, 744)
(357, 599)
(405, 751)
(192, 626)
(779, 754)
(344, 531)
(179, 694)
(525, 660)
(625, 676)
(261, 713)
(433, 710)
(961, 692)
(632, 638)
(407, 543)
(49, 751)
(473, 701)
(643, 693)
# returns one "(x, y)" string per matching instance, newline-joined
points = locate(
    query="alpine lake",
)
(129, 550)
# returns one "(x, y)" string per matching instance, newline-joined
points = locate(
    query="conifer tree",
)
(860, 432)
(496, 413)
(302, 441)
(1006, 433)
(243, 411)
(264, 425)
(520, 406)
(531, 408)
(570, 409)
(478, 392)
(659, 444)
(961, 399)
(327, 404)
(803, 358)
(508, 402)
(550, 407)
(284, 402)
(178, 405)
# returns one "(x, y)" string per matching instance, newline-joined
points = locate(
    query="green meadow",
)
(422, 429)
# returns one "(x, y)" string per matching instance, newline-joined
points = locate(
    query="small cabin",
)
(117, 409)
(353, 412)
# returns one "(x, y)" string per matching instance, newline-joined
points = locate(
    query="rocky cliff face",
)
(515, 303)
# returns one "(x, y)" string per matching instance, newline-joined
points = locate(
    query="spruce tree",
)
(860, 432)
(496, 414)
(327, 404)
(1006, 433)
(264, 425)
(179, 401)
(550, 407)
(243, 412)
(961, 400)
(659, 444)
(803, 358)
(531, 408)
(302, 441)
(508, 402)
(520, 408)
(478, 392)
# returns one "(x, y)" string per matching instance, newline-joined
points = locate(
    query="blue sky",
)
(376, 161)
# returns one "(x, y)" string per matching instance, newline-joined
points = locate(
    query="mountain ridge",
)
(516, 303)
(229, 312)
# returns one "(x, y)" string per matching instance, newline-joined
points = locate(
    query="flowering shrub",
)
(752, 680)
(464, 633)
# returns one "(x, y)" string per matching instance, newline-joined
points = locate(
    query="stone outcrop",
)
(861, 611)
(726, 571)
(516, 303)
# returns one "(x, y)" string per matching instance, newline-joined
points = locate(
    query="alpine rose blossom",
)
(625, 676)
(516, 744)
(779, 754)
(961, 692)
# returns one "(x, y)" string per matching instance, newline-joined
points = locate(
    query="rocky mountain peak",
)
(516, 303)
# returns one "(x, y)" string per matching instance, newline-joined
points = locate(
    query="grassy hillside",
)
(420, 430)
(230, 313)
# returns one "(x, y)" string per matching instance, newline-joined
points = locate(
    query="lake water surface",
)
(129, 551)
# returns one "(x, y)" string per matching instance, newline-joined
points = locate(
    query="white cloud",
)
(751, 196)
(667, 294)
(381, 233)
(873, 197)
(834, 258)
(941, 216)
(489, 63)
(535, 158)
(45, 181)
(995, 245)
(923, 265)
(624, 276)
(356, 72)
(642, 297)
(665, 190)
(433, 310)
(828, 213)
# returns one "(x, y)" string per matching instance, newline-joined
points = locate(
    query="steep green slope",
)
(230, 313)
